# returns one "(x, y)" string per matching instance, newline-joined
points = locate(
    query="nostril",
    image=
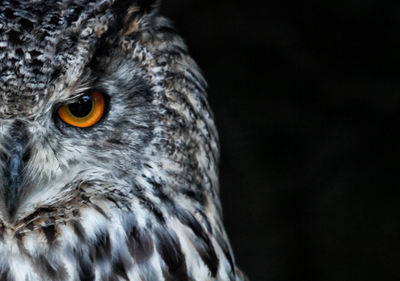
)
(26, 155)
(3, 157)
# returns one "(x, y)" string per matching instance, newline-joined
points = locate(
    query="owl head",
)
(106, 135)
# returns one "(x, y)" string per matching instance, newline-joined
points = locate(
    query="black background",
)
(306, 97)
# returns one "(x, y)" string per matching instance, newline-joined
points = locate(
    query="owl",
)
(108, 148)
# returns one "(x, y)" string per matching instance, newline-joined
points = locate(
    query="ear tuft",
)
(136, 12)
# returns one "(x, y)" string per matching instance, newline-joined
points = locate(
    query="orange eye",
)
(84, 113)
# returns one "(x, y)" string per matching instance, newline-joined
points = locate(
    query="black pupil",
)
(82, 107)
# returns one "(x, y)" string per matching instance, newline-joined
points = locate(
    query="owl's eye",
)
(85, 112)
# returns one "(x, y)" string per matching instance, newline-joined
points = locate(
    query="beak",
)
(17, 153)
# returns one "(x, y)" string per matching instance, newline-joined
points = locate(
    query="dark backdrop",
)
(306, 97)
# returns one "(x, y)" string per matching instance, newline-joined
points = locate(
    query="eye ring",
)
(84, 113)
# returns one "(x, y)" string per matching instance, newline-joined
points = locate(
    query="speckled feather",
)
(135, 197)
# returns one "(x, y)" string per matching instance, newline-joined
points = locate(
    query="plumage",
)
(131, 197)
